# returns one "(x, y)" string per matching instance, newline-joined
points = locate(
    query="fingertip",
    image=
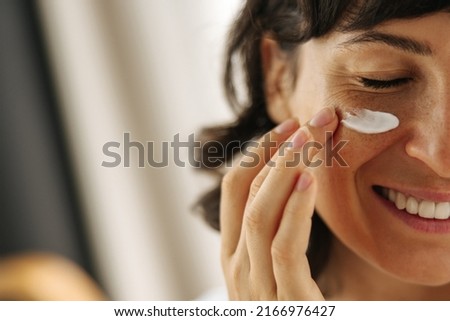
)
(323, 118)
(299, 139)
(324, 121)
(304, 181)
(286, 127)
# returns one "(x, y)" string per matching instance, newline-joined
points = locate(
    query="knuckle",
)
(253, 219)
(256, 186)
(235, 272)
(235, 275)
(281, 255)
(263, 289)
(288, 160)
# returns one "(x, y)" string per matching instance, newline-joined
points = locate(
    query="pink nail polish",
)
(304, 181)
(286, 127)
(322, 118)
(299, 139)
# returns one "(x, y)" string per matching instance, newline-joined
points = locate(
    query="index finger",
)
(236, 183)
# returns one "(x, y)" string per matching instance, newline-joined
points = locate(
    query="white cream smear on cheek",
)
(370, 122)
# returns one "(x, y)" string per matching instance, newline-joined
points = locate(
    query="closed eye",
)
(383, 84)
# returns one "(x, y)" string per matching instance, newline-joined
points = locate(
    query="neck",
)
(349, 277)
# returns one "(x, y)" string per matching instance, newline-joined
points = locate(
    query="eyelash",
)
(384, 84)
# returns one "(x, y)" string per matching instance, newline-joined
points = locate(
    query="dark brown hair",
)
(290, 23)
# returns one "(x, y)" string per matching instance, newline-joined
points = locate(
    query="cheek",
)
(304, 108)
(344, 187)
(344, 203)
(338, 205)
(338, 199)
(362, 148)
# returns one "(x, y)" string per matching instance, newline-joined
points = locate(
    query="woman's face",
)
(409, 64)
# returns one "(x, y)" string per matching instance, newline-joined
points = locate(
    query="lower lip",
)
(415, 221)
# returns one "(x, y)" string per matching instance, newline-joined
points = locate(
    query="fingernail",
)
(304, 181)
(299, 139)
(286, 127)
(322, 118)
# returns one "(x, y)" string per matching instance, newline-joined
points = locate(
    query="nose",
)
(429, 142)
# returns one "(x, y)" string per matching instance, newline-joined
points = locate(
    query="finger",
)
(236, 183)
(318, 130)
(236, 267)
(243, 287)
(264, 212)
(290, 264)
(260, 268)
(262, 217)
(236, 270)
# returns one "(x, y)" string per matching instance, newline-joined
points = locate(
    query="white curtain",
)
(149, 68)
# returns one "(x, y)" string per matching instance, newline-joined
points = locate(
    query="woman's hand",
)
(265, 215)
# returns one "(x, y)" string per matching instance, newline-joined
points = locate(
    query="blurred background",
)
(77, 74)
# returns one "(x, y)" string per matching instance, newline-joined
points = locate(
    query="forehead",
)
(423, 35)
(360, 15)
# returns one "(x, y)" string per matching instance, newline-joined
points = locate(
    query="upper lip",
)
(423, 193)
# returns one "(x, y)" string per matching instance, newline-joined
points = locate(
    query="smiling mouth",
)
(424, 208)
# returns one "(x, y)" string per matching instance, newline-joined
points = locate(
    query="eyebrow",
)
(399, 42)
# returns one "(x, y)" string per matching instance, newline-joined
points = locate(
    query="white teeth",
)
(392, 195)
(425, 209)
(412, 205)
(400, 201)
(442, 211)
